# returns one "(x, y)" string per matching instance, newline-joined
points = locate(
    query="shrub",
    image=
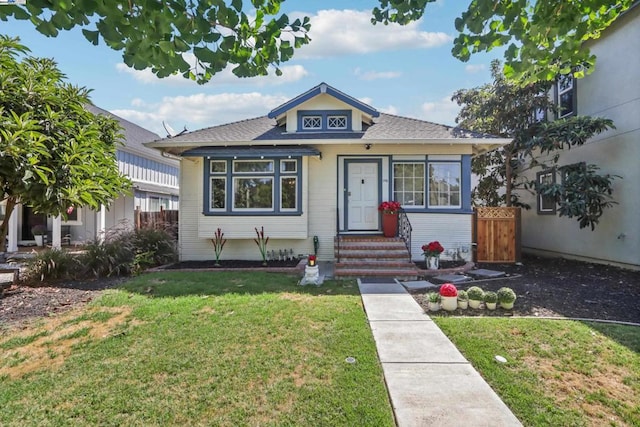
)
(462, 295)
(490, 297)
(433, 297)
(506, 295)
(475, 293)
(51, 265)
(158, 244)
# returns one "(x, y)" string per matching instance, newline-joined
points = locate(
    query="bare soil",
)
(559, 287)
(545, 287)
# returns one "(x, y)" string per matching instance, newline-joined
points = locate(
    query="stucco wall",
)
(611, 91)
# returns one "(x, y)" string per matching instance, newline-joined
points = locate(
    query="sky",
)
(402, 70)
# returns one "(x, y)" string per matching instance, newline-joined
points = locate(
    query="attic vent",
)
(312, 122)
(337, 122)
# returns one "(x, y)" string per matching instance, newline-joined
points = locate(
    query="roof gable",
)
(322, 88)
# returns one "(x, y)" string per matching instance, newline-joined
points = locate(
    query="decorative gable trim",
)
(324, 120)
(320, 89)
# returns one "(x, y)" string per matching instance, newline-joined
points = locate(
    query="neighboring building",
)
(611, 91)
(319, 165)
(155, 186)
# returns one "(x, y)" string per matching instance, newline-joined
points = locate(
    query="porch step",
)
(369, 256)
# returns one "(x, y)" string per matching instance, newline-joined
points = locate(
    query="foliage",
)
(218, 244)
(511, 111)
(490, 297)
(194, 38)
(55, 153)
(432, 249)
(544, 38)
(448, 290)
(462, 295)
(159, 243)
(433, 297)
(475, 293)
(261, 241)
(506, 295)
(50, 266)
(200, 38)
(389, 207)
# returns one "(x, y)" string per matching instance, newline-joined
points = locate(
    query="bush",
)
(506, 295)
(462, 295)
(154, 247)
(475, 293)
(51, 265)
(490, 297)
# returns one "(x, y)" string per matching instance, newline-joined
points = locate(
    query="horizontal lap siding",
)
(451, 230)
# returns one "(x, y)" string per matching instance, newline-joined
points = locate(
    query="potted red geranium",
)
(390, 211)
(432, 251)
(448, 297)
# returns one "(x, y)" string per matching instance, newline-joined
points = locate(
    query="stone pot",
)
(491, 305)
(474, 303)
(434, 306)
(463, 304)
(433, 262)
(448, 303)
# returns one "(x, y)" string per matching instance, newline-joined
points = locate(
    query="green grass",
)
(558, 373)
(201, 349)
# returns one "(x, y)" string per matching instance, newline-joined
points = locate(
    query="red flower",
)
(448, 290)
(432, 249)
(390, 207)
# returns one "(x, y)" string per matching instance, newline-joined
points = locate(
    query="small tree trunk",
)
(4, 227)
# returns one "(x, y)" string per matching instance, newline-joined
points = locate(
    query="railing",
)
(405, 229)
(337, 242)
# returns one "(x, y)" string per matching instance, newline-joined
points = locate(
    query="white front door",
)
(362, 195)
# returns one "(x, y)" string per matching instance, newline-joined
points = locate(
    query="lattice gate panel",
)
(496, 234)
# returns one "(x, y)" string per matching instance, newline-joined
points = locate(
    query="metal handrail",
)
(337, 242)
(405, 229)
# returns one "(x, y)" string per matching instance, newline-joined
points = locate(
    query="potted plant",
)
(434, 301)
(506, 298)
(476, 295)
(448, 297)
(432, 251)
(38, 231)
(390, 211)
(490, 300)
(463, 299)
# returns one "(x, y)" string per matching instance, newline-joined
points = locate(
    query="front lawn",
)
(558, 373)
(204, 348)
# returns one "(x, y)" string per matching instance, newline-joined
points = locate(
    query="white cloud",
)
(345, 32)
(443, 111)
(376, 75)
(290, 73)
(474, 68)
(199, 110)
(389, 109)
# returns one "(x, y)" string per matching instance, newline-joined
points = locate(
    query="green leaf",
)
(92, 36)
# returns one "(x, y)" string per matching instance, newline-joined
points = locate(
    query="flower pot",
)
(434, 306)
(449, 303)
(463, 304)
(474, 303)
(389, 224)
(433, 262)
(39, 239)
(506, 305)
(491, 305)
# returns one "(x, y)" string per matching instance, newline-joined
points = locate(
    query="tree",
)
(54, 154)
(509, 110)
(544, 38)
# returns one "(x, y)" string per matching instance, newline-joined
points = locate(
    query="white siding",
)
(452, 231)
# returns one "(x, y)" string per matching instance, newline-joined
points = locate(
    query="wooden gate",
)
(496, 234)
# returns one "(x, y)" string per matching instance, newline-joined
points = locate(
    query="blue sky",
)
(408, 71)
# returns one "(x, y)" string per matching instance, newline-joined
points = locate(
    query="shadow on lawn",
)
(185, 283)
(628, 336)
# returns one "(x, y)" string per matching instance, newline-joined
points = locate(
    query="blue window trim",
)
(465, 185)
(324, 115)
(229, 175)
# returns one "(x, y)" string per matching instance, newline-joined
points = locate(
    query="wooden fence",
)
(163, 220)
(496, 234)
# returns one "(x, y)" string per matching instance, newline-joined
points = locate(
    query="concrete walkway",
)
(429, 381)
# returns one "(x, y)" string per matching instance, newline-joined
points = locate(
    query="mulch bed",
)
(232, 263)
(545, 287)
(559, 287)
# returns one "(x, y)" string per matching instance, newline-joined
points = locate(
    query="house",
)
(611, 91)
(318, 166)
(155, 186)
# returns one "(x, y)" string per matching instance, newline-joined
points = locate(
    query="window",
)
(408, 184)
(312, 122)
(321, 120)
(249, 186)
(565, 96)
(74, 217)
(546, 203)
(444, 185)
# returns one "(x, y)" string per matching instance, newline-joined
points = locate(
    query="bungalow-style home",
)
(155, 186)
(316, 168)
(611, 91)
